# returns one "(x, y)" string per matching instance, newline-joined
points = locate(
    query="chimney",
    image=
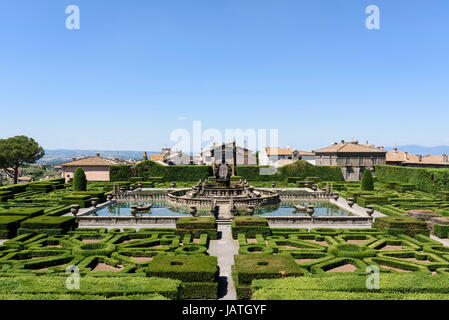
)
(116, 159)
(406, 155)
(381, 147)
(420, 158)
(367, 142)
(342, 141)
(335, 143)
(395, 150)
(445, 158)
(98, 155)
(73, 159)
(356, 142)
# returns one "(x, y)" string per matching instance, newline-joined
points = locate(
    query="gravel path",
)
(225, 248)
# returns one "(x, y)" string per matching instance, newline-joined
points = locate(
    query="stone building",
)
(226, 153)
(352, 157)
(171, 157)
(399, 158)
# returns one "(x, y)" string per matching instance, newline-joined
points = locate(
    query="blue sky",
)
(136, 70)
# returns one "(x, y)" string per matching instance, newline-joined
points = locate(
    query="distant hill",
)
(416, 149)
(61, 156)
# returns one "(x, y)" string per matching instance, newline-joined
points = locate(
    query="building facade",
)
(352, 157)
(282, 156)
(228, 153)
(95, 168)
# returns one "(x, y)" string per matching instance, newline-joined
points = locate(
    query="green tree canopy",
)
(79, 180)
(367, 180)
(17, 151)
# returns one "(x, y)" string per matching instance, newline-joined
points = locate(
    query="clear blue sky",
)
(136, 70)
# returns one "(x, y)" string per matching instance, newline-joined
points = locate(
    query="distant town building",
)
(352, 157)
(282, 156)
(95, 168)
(399, 158)
(171, 157)
(25, 179)
(226, 153)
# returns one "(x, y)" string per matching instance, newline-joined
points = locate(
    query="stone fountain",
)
(226, 195)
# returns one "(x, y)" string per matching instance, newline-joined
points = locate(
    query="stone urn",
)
(351, 202)
(306, 184)
(310, 210)
(134, 210)
(140, 184)
(314, 187)
(273, 184)
(370, 210)
(193, 211)
(233, 210)
(122, 190)
(94, 202)
(131, 187)
(109, 196)
(74, 209)
(173, 184)
(251, 211)
(335, 196)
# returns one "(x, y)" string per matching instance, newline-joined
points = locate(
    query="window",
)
(361, 161)
(348, 161)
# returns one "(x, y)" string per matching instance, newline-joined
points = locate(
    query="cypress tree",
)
(367, 180)
(79, 180)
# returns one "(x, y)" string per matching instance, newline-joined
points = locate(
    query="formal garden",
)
(42, 239)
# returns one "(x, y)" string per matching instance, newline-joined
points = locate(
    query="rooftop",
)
(90, 161)
(349, 147)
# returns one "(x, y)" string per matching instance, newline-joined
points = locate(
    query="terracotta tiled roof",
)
(348, 148)
(399, 156)
(429, 159)
(279, 151)
(286, 152)
(156, 157)
(90, 161)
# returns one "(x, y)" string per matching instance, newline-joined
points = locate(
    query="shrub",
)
(441, 230)
(79, 180)
(300, 169)
(9, 226)
(94, 249)
(367, 183)
(407, 225)
(196, 226)
(250, 227)
(48, 224)
(250, 267)
(187, 268)
(425, 179)
(103, 286)
(351, 250)
(22, 211)
(120, 172)
(393, 286)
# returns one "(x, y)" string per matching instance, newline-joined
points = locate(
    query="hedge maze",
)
(299, 258)
(151, 264)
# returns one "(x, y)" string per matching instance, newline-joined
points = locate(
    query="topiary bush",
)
(79, 180)
(367, 183)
